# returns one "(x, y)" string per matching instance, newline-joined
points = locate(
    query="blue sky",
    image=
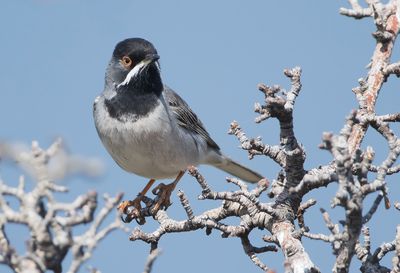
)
(213, 53)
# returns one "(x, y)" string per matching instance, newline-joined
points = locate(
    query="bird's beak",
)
(149, 58)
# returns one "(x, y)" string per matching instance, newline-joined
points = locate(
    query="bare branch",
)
(150, 260)
(393, 68)
(356, 10)
(396, 258)
(251, 251)
(373, 208)
(50, 222)
(302, 209)
(256, 147)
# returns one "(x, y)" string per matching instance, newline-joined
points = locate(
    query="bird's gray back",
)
(186, 118)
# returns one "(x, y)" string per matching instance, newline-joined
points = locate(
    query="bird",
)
(149, 130)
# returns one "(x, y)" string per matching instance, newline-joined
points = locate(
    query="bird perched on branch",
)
(148, 129)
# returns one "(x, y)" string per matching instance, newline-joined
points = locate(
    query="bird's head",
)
(134, 64)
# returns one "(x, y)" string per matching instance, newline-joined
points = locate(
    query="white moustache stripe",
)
(133, 73)
(158, 66)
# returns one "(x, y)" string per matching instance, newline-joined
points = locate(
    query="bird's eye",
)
(126, 62)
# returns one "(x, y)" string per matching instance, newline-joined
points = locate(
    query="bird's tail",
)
(238, 170)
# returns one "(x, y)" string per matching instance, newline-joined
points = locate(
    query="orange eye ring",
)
(126, 62)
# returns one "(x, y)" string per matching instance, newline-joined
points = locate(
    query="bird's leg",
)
(164, 193)
(135, 203)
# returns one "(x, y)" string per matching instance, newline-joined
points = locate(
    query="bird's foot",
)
(131, 209)
(164, 193)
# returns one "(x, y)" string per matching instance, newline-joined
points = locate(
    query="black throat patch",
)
(126, 106)
(138, 98)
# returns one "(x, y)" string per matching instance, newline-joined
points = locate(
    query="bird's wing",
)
(186, 118)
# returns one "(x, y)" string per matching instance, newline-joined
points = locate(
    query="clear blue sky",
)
(214, 53)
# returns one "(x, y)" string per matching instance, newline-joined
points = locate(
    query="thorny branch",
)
(51, 222)
(352, 169)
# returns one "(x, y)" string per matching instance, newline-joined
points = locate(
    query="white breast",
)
(153, 146)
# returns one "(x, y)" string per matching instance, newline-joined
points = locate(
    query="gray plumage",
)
(186, 118)
(146, 127)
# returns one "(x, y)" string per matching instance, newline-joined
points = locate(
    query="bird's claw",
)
(164, 193)
(130, 210)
